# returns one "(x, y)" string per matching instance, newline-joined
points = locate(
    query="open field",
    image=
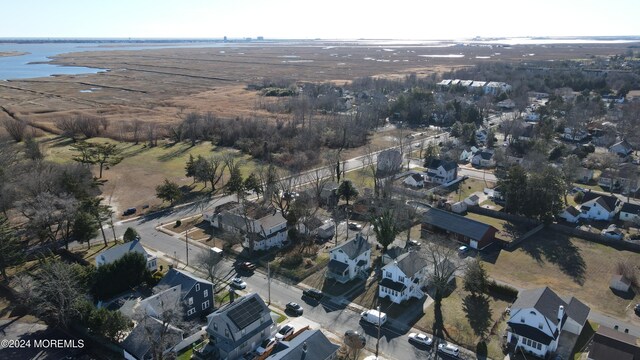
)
(571, 267)
(156, 84)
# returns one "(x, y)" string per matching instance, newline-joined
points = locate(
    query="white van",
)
(449, 349)
(374, 317)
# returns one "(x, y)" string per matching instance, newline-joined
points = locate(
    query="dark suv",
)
(129, 211)
(313, 293)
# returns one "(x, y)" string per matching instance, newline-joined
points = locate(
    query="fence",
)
(595, 237)
(524, 237)
(502, 215)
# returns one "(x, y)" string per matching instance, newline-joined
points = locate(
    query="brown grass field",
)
(157, 84)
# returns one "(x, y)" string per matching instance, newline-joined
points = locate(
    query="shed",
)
(620, 283)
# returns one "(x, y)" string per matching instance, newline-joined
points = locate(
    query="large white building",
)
(538, 318)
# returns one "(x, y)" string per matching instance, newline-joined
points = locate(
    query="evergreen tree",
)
(475, 278)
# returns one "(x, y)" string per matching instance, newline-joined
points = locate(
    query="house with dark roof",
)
(112, 254)
(484, 158)
(599, 206)
(470, 232)
(403, 278)
(349, 260)
(613, 344)
(621, 148)
(238, 328)
(393, 252)
(195, 294)
(414, 180)
(308, 345)
(143, 342)
(441, 171)
(570, 214)
(539, 316)
(630, 212)
(264, 226)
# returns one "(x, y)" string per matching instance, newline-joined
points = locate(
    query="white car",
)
(420, 339)
(449, 349)
(285, 331)
(238, 283)
(266, 345)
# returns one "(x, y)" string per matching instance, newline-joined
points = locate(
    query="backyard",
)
(570, 266)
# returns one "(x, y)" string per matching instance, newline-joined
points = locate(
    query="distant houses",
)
(491, 87)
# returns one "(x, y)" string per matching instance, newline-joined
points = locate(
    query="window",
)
(205, 304)
(191, 301)
(215, 326)
(401, 278)
(539, 346)
(389, 275)
(521, 319)
(206, 292)
(540, 326)
(197, 287)
(191, 311)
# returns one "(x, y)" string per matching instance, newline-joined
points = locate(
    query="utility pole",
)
(186, 241)
(378, 338)
(269, 281)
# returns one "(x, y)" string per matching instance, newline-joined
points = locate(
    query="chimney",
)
(304, 350)
(560, 314)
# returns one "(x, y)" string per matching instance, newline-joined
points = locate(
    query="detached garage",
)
(470, 232)
(620, 283)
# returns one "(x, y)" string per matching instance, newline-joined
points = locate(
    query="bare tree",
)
(136, 125)
(211, 263)
(318, 178)
(15, 128)
(50, 216)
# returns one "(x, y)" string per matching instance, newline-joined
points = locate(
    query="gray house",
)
(196, 294)
(139, 344)
(238, 328)
(309, 345)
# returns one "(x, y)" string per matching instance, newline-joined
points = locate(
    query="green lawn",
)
(361, 178)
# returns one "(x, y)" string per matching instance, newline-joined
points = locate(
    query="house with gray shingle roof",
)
(403, 278)
(539, 316)
(470, 232)
(139, 344)
(610, 344)
(441, 171)
(238, 328)
(110, 255)
(349, 260)
(309, 345)
(630, 212)
(195, 294)
(597, 206)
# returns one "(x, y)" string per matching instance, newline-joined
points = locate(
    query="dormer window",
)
(522, 320)
(540, 326)
(532, 312)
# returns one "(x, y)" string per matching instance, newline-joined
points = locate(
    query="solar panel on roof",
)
(246, 313)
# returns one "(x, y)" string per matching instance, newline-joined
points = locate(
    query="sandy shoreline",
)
(12, 53)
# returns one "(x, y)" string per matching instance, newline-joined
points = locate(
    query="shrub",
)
(130, 234)
(500, 290)
(291, 261)
(178, 223)
(578, 197)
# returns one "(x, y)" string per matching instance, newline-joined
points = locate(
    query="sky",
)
(326, 19)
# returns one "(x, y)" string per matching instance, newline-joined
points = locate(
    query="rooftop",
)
(456, 223)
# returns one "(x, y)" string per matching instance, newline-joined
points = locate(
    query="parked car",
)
(415, 243)
(374, 317)
(248, 266)
(294, 308)
(463, 249)
(636, 309)
(420, 339)
(238, 283)
(449, 349)
(284, 332)
(355, 226)
(129, 211)
(313, 293)
(266, 345)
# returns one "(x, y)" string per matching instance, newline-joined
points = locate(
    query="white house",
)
(467, 155)
(630, 212)
(110, 255)
(621, 148)
(483, 158)
(570, 214)
(350, 259)
(403, 278)
(414, 180)
(583, 175)
(574, 134)
(599, 206)
(441, 171)
(265, 225)
(496, 88)
(539, 316)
